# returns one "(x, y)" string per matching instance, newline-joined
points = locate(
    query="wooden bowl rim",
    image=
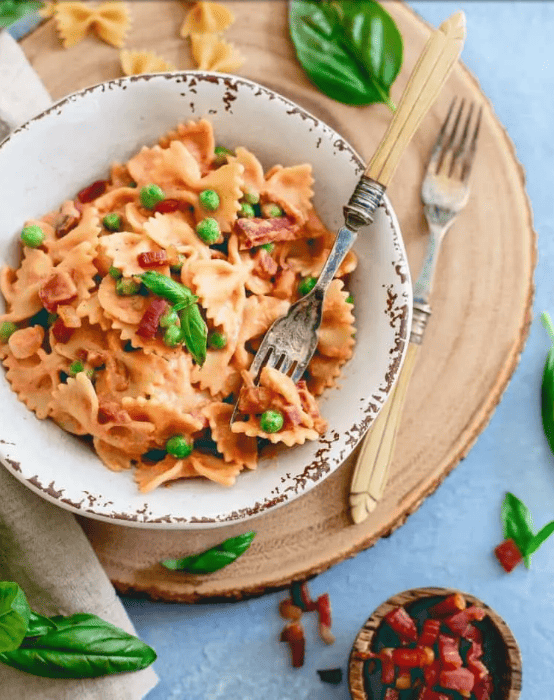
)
(364, 638)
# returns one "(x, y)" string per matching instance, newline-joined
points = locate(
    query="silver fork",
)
(291, 341)
(445, 191)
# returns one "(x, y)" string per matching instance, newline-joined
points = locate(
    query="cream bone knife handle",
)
(433, 67)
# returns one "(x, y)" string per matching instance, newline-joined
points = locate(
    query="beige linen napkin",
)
(42, 548)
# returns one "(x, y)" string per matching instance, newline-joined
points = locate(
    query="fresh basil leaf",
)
(517, 523)
(542, 535)
(352, 50)
(547, 387)
(167, 288)
(195, 333)
(14, 616)
(12, 10)
(81, 646)
(212, 559)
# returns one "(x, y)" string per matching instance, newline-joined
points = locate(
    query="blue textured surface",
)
(231, 651)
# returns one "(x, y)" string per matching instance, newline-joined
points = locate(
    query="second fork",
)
(445, 191)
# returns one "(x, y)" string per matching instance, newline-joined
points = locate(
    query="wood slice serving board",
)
(483, 291)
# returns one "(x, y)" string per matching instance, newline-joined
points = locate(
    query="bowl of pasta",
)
(160, 224)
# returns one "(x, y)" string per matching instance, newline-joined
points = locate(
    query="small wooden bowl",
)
(506, 675)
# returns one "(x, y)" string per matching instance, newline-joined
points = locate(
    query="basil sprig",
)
(166, 287)
(12, 10)
(212, 559)
(78, 646)
(351, 49)
(195, 331)
(518, 526)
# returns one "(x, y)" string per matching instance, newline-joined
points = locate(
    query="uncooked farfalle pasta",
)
(138, 306)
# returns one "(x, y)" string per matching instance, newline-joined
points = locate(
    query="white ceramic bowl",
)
(72, 144)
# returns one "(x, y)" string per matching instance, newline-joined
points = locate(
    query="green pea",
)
(112, 222)
(32, 236)
(178, 446)
(269, 211)
(6, 330)
(150, 195)
(169, 318)
(306, 285)
(173, 336)
(115, 273)
(221, 154)
(76, 367)
(246, 211)
(209, 199)
(252, 197)
(270, 247)
(350, 299)
(217, 340)
(208, 230)
(126, 287)
(271, 421)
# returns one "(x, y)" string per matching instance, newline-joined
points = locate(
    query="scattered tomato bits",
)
(292, 609)
(433, 651)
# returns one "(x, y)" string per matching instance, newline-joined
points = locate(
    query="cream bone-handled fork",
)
(291, 341)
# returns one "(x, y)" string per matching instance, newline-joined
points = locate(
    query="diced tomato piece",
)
(294, 635)
(61, 332)
(402, 624)
(167, 206)
(459, 622)
(475, 652)
(324, 611)
(460, 679)
(148, 325)
(413, 658)
(404, 679)
(152, 258)
(92, 192)
(478, 669)
(450, 605)
(449, 652)
(431, 673)
(391, 694)
(387, 666)
(483, 688)
(429, 633)
(508, 555)
(473, 634)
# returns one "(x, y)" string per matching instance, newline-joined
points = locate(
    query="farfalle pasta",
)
(138, 305)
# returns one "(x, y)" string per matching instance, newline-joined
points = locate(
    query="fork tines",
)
(454, 150)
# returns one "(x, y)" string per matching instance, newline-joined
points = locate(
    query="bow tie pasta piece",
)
(137, 62)
(110, 21)
(87, 230)
(173, 167)
(33, 379)
(115, 459)
(128, 309)
(171, 230)
(171, 383)
(212, 53)
(253, 175)
(217, 375)
(291, 189)
(124, 248)
(207, 18)
(92, 310)
(167, 420)
(258, 315)
(236, 448)
(114, 201)
(215, 469)
(198, 139)
(149, 476)
(276, 393)
(227, 182)
(21, 287)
